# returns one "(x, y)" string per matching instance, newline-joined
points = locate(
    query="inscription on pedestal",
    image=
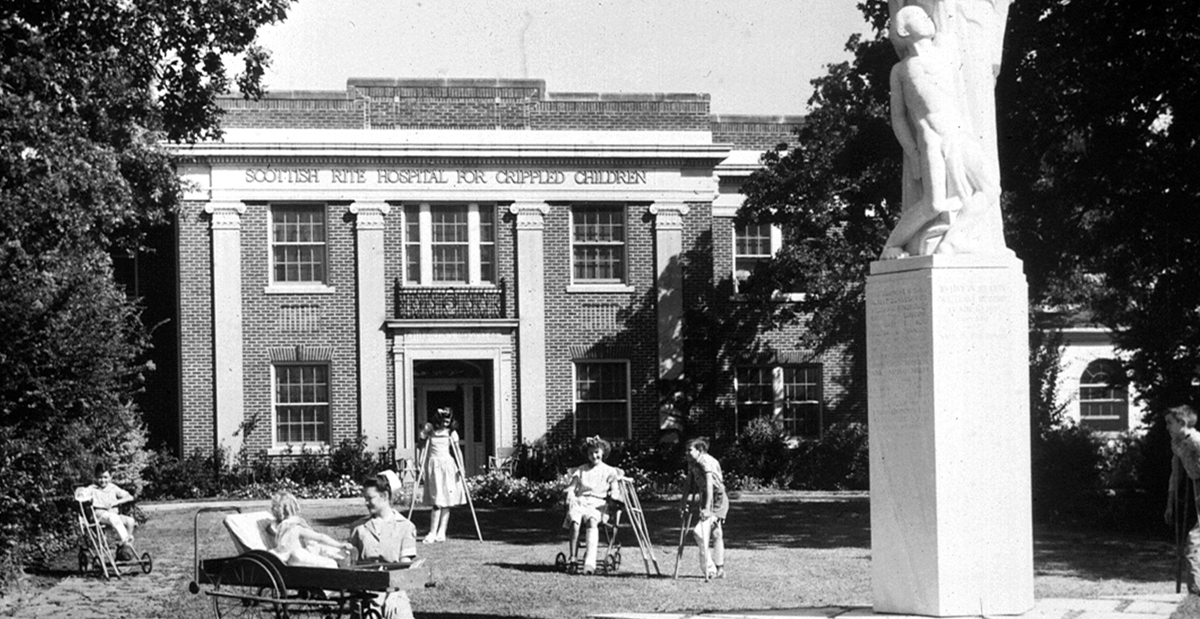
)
(898, 329)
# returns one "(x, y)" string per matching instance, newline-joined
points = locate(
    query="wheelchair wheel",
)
(249, 587)
(147, 563)
(560, 562)
(614, 562)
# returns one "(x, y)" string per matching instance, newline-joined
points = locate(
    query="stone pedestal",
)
(948, 396)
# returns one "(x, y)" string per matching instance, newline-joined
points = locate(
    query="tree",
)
(89, 91)
(835, 192)
(1098, 161)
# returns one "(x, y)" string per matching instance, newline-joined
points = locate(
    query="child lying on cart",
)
(296, 543)
(587, 492)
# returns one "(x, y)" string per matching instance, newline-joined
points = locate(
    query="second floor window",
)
(449, 244)
(298, 243)
(753, 244)
(598, 244)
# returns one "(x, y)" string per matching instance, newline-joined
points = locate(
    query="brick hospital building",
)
(349, 261)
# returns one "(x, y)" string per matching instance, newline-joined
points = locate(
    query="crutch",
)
(685, 524)
(462, 477)
(1181, 516)
(424, 462)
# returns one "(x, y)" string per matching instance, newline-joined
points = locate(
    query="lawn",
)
(785, 551)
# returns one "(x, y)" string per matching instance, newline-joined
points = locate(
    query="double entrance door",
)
(468, 399)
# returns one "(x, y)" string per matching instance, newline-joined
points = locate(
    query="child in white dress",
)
(296, 543)
(443, 479)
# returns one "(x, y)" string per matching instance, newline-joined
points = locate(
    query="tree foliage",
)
(1098, 153)
(89, 90)
(835, 192)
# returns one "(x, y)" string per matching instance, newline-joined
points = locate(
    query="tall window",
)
(1103, 396)
(801, 414)
(449, 244)
(752, 244)
(787, 394)
(598, 244)
(602, 399)
(298, 243)
(301, 404)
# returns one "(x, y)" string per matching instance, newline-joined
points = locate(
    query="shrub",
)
(194, 476)
(343, 487)
(761, 452)
(497, 488)
(351, 458)
(1067, 473)
(546, 458)
(838, 461)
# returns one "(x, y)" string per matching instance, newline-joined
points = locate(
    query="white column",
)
(503, 403)
(372, 311)
(531, 313)
(668, 245)
(402, 375)
(948, 408)
(227, 323)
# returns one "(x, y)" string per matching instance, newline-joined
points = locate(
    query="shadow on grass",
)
(526, 567)
(1102, 555)
(760, 522)
(50, 571)
(796, 521)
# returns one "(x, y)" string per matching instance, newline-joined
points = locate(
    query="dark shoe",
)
(125, 553)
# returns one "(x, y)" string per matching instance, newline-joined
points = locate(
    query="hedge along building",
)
(351, 261)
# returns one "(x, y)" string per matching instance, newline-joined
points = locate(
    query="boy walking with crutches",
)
(704, 479)
(1185, 447)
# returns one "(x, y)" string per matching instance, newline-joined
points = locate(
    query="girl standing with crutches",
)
(444, 485)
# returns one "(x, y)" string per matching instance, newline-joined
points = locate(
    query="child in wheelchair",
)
(589, 494)
(99, 517)
(106, 498)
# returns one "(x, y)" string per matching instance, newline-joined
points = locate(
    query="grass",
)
(784, 551)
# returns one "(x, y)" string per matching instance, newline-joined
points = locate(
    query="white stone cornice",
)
(226, 215)
(369, 215)
(530, 215)
(669, 215)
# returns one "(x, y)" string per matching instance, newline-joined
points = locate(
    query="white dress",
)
(443, 486)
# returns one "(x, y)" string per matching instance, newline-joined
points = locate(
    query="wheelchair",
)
(96, 551)
(610, 561)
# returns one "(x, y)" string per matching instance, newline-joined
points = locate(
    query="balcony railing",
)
(451, 302)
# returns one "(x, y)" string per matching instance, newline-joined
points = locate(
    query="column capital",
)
(226, 215)
(669, 215)
(530, 215)
(369, 215)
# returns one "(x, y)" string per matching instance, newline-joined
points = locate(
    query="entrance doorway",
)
(464, 387)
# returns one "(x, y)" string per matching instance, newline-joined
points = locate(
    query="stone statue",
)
(943, 114)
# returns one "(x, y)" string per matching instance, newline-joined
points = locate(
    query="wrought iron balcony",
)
(451, 302)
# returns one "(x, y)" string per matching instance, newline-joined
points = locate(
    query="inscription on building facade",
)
(442, 176)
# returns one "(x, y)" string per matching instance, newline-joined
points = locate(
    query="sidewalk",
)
(1114, 607)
